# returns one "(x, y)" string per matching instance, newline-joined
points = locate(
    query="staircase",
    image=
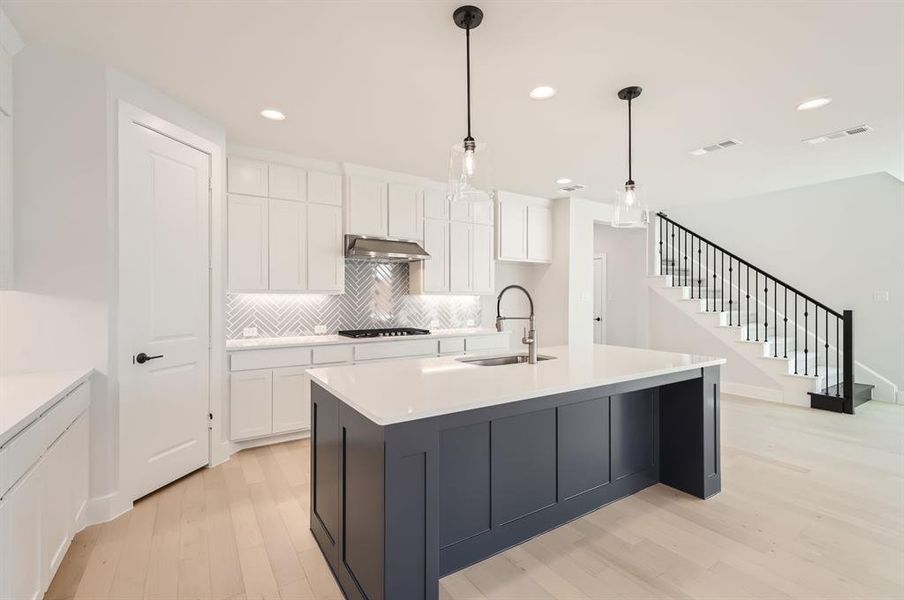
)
(803, 344)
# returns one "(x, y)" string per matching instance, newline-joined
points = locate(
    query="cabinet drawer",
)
(269, 359)
(333, 354)
(452, 346)
(486, 342)
(64, 413)
(395, 349)
(21, 453)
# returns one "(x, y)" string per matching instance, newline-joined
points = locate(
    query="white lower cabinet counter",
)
(43, 495)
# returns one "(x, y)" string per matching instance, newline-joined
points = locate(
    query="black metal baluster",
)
(747, 294)
(692, 268)
(775, 319)
(685, 263)
(756, 305)
(816, 339)
(706, 276)
(827, 351)
(837, 358)
(765, 309)
(795, 333)
(730, 292)
(806, 337)
(786, 321)
(672, 265)
(699, 264)
(722, 278)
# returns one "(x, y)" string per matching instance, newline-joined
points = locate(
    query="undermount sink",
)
(495, 361)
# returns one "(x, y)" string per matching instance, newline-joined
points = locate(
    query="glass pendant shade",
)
(469, 173)
(630, 209)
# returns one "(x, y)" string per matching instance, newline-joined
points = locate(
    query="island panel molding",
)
(398, 506)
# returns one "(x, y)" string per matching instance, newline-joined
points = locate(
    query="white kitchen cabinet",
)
(481, 247)
(524, 228)
(20, 538)
(539, 233)
(287, 246)
(405, 212)
(79, 473)
(248, 244)
(324, 188)
(291, 399)
(459, 257)
(6, 201)
(482, 213)
(56, 504)
(246, 176)
(326, 258)
(512, 231)
(460, 211)
(367, 208)
(251, 404)
(432, 275)
(436, 204)
(287, 183)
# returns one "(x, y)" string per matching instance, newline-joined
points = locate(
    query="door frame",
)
(129, 115)
(601, 257)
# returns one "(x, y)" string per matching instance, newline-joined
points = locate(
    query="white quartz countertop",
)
(24, 397)
(406, 390)
(329, 340)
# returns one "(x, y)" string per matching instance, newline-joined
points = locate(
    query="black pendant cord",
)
(630, 178)
(468, 63)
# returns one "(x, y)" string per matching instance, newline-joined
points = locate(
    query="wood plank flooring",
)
(812, 507)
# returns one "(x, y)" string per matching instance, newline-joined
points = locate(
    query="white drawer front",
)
(452, 346)
(21, 453)
(65, 412)
(395, 349)
(486, 342)
(269, 359)
(333, 354)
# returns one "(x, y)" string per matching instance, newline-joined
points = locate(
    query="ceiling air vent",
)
(729, 143)
(572, 187)
(837, 135)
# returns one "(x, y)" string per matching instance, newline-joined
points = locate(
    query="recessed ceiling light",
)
(563, 180)
(273, 114)
(814, 103)
(543, 92)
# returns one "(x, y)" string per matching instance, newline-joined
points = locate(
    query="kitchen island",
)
(422, 467)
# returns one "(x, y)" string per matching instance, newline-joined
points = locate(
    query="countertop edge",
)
(347, 341)
(35, 413)
(384, 422)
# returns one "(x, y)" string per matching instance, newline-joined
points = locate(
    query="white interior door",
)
(599, 300)
(164, 210)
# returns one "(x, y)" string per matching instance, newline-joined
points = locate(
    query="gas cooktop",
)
(390, 332)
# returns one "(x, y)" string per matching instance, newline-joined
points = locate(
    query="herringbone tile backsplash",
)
(376, 295)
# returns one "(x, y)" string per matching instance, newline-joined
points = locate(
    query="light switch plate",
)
(319, 329)
(249, 332)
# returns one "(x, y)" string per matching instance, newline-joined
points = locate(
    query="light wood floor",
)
(812, 507)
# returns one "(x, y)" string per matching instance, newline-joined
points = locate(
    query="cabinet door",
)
(324, 188)
(20, 539)
(287, 183)
(79, 473)
(436, 268)
(482, 270)
(367, 211)
(291, 399)
(436, 205)
(56, 503)
(460, 211)
(539, 233)
(245, 176)
(251, 404)
(482, 213)
(459, 257)
(405, 212)
(326, 257)
(288, 245)
(512, 230)
(247, 234)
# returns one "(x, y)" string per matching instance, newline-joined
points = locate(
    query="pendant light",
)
(630, 210)
(469, 168)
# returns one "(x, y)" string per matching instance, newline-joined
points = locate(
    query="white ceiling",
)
(382, 83)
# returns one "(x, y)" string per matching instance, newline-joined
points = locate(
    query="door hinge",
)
(209, 421)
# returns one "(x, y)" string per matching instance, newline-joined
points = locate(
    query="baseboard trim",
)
(753, 391)
(105, 508)
(270, 439)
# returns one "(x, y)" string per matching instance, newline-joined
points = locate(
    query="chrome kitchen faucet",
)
(530, 335)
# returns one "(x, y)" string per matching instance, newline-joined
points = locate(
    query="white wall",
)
(626, 283)
(838, 241)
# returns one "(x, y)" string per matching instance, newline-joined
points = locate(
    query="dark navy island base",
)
(396, 507)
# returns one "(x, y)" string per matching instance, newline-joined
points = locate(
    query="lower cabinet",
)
(268, 401)
(20, 546)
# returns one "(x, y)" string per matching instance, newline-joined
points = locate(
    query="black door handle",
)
(142, 358)
(598, 319)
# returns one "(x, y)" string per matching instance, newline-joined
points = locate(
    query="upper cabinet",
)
(524, 228)
(380, 207)
(406, 212)
(367, 208)
(284, 231)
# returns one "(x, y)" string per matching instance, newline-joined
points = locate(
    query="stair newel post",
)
(837, 356)
(775, 319)
(661, 258)
(795, 333)
(706, 277)
(848, 404)
(827, 349)
(765, 308)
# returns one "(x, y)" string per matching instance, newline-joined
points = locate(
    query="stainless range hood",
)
(362, 247)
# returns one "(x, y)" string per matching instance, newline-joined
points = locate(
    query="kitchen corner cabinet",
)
(284, 231)
(524, 228)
